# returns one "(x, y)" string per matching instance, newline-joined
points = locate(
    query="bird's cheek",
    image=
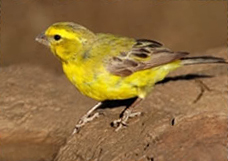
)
(66, 51)
(60, 52)
(53, 49)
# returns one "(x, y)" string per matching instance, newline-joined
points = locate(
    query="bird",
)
(105, 67)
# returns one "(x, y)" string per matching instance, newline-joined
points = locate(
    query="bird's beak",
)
(42, 38)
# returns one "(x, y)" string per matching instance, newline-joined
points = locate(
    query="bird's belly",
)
(102, 85)
(99, 85)
(106, 88)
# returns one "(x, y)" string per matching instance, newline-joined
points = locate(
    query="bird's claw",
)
(118, 124)
(83, 121)
(122, 122)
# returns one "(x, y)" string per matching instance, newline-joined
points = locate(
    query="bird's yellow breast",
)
(96, 82)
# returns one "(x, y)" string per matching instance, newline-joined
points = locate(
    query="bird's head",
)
(66, 39)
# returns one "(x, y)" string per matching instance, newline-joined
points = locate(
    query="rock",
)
(185, 118)
(38, 112)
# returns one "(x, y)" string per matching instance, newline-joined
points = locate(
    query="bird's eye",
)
(57, 37)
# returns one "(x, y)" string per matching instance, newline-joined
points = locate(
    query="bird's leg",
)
(126, 114)
(87, 117)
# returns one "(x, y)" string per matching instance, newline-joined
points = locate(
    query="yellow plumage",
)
(109, 67)
(100, 85)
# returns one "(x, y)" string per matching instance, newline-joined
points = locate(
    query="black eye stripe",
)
(57, 37)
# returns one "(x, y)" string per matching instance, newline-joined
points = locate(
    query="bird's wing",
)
(144, 54)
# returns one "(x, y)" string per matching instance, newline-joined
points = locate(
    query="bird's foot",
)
(86, 118)
(122, 121)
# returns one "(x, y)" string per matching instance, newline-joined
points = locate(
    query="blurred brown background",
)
(39, 107)
(193, 26)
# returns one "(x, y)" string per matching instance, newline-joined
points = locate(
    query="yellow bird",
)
(108, 67)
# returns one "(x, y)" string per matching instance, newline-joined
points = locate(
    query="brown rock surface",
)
(38, 112)
(183, 119)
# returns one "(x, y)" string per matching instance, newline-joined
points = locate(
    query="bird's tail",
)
(202, 60)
